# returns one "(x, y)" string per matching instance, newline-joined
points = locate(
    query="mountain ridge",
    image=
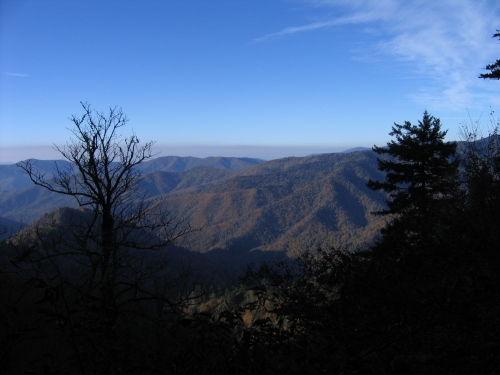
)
(290, 204)
(12, 177)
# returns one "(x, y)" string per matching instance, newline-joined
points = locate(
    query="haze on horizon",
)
(264, 79)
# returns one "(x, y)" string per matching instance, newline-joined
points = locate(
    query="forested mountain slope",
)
(180, 164)
(59, 230)
(12, 177)
(290, 204)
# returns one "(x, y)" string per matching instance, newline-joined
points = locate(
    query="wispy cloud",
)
(447, 41)
(357, 18)
(16, 74)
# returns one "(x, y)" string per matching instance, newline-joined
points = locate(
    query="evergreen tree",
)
(493, 68)
(421, 176)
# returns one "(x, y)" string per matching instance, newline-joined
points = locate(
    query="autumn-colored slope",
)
(290, 204)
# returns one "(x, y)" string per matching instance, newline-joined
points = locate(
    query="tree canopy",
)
(421, 179)
(493, 68)
(419, 168)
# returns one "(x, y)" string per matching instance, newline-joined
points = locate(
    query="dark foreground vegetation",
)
(99, 296)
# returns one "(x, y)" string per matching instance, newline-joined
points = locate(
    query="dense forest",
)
(288, 204)
(99, 296)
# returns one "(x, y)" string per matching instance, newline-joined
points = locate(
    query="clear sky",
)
(256, 78)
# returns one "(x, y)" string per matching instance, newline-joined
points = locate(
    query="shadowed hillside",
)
(29, 203)
(60, 229)
(9, 227)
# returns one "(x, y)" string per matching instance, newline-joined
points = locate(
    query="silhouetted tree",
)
(97, 270)
(371, 312)
(481, 177)
(493, 68)
(421, 175)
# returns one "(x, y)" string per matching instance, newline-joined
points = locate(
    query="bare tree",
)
(109, 242)
(481, 179)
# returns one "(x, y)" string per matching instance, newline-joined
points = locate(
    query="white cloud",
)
(16, 74)
(447, 41)
(354, 19)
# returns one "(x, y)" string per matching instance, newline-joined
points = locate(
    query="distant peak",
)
(355, 149)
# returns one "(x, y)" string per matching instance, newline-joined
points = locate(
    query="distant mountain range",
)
(292, 204)
(356, 149)
(12, 177)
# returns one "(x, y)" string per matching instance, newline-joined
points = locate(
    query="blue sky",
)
(252, 78)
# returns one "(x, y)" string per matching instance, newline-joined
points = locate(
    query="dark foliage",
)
(97, 273)
(493, 68)
(401, 307)
(421, 179)
(414, 303)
